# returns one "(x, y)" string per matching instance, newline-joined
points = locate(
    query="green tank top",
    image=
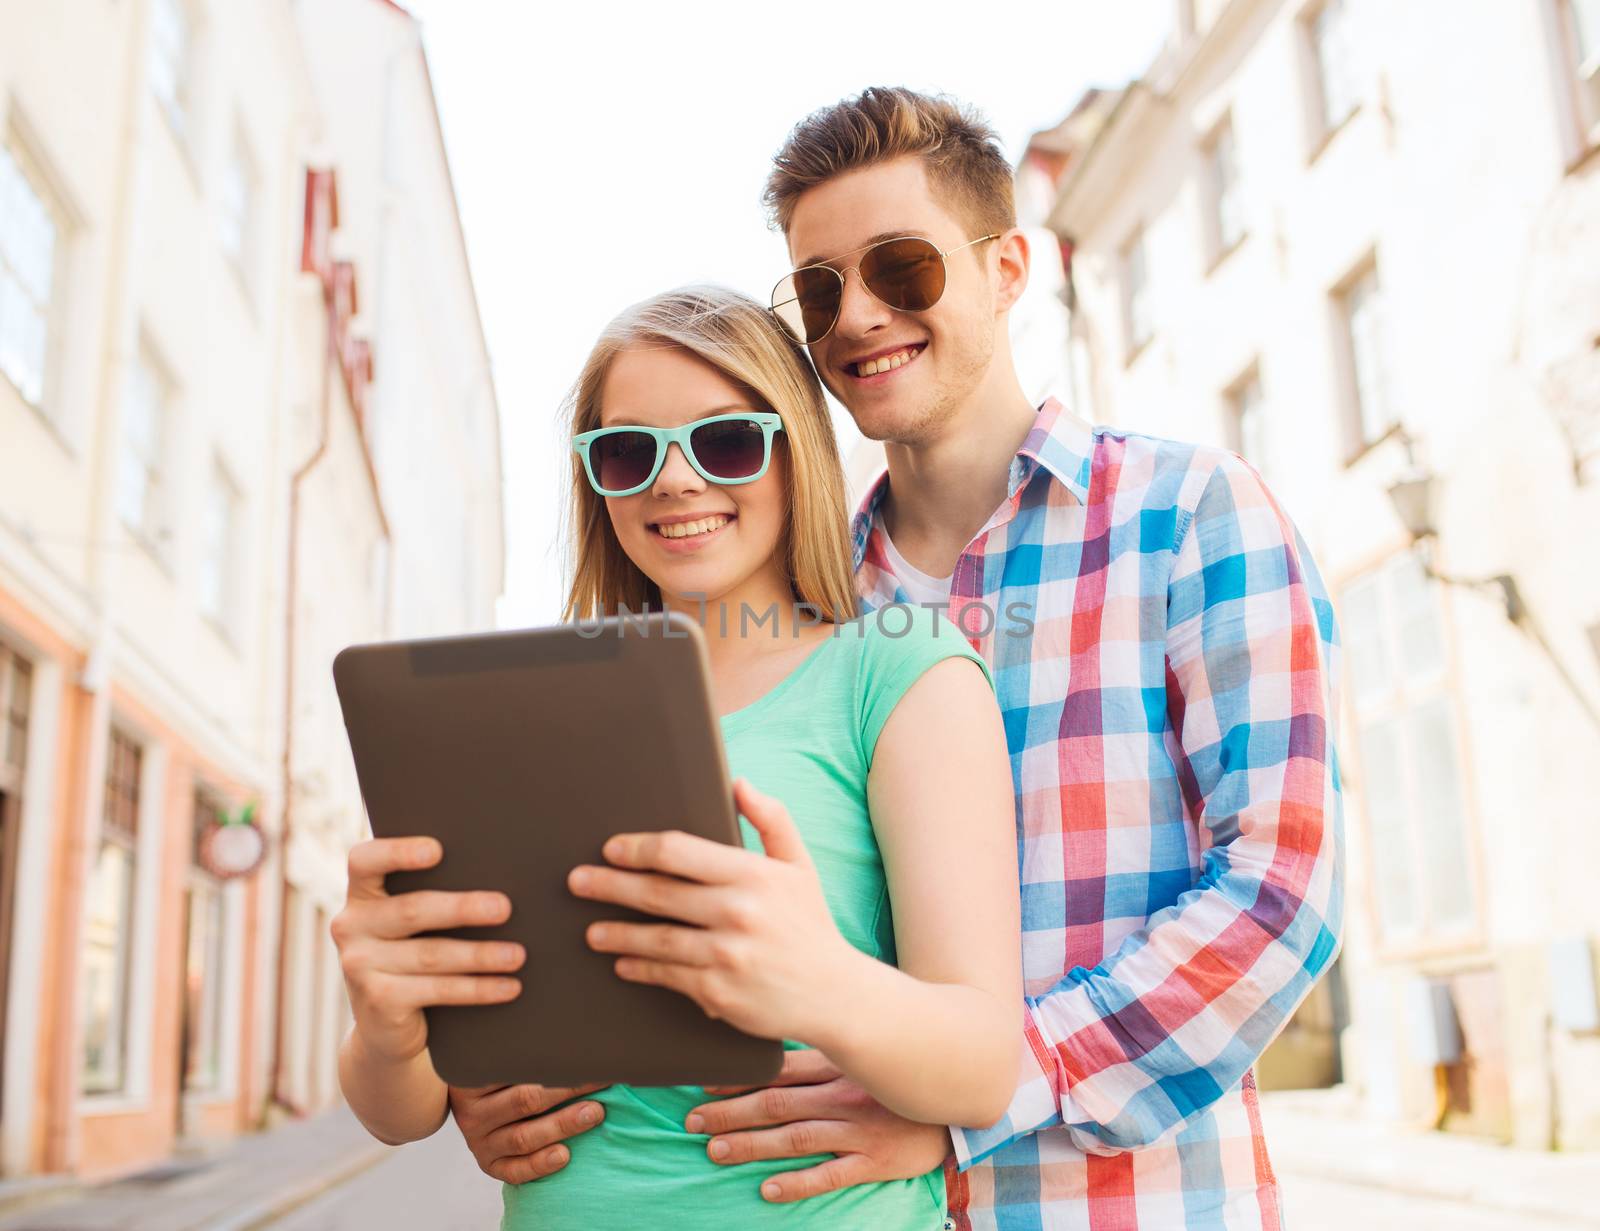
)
(808, 742)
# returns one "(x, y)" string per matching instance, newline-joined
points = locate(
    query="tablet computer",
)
(522, 752)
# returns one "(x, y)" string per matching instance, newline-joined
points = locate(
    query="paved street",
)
(1315, 1204)
(431, 1184)
(1337, 1170)
(434, 1184)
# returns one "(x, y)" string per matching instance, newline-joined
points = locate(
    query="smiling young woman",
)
(705, 474)
(736, 338)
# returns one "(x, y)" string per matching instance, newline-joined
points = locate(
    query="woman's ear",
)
(1012, 269)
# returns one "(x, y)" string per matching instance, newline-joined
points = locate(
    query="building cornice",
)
(1127, 136)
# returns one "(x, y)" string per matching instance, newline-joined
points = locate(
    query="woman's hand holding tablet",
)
(738, 958)
(520, 754)
(391, 972)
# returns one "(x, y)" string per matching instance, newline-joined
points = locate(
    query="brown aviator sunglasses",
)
(907, 274)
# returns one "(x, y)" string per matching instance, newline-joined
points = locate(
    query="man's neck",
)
(942, 492)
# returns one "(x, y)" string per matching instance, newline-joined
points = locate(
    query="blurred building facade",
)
(193, 519)
(1359, 243)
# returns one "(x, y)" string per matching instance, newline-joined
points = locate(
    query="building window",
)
(1247, 420)
(218, 547)
(29, 237)
(171, 63)
(1410, 769)
(1581, 22)
(204, 963)
(1336, 56)
(1366, 338)
(16, 695)
(106, 949)
(237, 205)
(1137, 317)
(1225, 199)
(139, 473)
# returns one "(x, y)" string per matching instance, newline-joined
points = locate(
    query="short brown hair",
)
(961, 153)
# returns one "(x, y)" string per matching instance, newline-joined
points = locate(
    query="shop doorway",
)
(16, 695)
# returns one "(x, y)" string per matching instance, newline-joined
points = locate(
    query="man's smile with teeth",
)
(684, 529)
(887, 363)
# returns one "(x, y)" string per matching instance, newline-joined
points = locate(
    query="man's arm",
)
(1124, 1053)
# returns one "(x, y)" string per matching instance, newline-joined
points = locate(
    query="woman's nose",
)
(677, 476)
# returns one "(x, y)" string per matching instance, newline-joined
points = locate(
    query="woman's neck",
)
(757, 616)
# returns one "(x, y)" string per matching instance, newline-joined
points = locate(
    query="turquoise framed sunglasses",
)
(723, 449)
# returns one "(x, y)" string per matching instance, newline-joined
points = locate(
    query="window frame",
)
(1321, 122)
(31, 176)
(245, 257)
(1360, 419)
(224, 618)
(214, 1009)
(1399, 700)
(1219, 245)
(1234, 402)
(121, 748)
(178, 108)
(153, 530)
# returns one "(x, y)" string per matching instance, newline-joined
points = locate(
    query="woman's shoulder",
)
(899, 643)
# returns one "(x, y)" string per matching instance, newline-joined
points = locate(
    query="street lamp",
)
(1413, 495)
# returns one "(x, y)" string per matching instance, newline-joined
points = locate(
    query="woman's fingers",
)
(372, 860)
(646, 892)
(684, 980)
(779, 837)
(440, 956)
(482, 1111)
(407, 992)
(679, 854)
(434, 910)
(664, 941)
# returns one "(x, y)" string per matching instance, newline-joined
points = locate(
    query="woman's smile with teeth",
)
(684, 529)
(886, 363)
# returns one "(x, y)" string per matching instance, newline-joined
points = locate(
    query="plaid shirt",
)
(1170, 720)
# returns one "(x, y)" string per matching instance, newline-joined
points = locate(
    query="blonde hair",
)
(966, 169)
(743, 341)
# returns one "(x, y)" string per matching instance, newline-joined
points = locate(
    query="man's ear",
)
(1013, 269)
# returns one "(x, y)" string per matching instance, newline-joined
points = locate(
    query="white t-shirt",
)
(919, 587)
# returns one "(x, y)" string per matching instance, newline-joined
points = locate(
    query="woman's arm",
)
(944, 815)
(396, 1100)
(935, 1041)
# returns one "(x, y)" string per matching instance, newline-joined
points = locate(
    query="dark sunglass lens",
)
(730, 448)
(786, 307)
(817, 290)
(907, 274)
(622, 460)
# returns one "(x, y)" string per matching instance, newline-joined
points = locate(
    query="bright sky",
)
(603, 153)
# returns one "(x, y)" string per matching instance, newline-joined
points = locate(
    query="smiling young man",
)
(1168, 701)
